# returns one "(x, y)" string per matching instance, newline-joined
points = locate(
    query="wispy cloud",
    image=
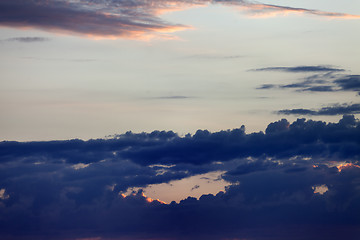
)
(126, 18)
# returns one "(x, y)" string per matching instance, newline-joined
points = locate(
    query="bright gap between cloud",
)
(194, 186)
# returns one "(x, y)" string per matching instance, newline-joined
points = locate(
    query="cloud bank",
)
(296, 180)
(123, 18)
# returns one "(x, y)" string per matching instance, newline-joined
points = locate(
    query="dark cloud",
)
(195, 187)
(120, 18)
(296, 69)
(89, 18)
(27, 39)
(72, 189)
(349, 83)
(319, 89)
(327, 80)
(331, 110)
(160, 147)
(267, 86)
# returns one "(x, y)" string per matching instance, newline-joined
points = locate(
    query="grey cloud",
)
(318, 89)
(330, 110)
(349, 83)
(267, 86)
(327, 80)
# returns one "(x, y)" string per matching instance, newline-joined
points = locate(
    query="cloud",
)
(215, 56)
(327, 79)
(204, 147)
(27, 39)
(122, 18)
(268, 10)
(107, 19)
(331, 110)
(349, 83)
(73, 189)
(319, 68)
(174, 97)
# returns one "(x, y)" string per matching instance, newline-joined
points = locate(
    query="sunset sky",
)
(171, 120)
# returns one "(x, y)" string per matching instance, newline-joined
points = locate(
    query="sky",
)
(171, 120)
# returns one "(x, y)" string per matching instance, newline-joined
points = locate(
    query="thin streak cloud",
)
(27, 39)
(319, 68)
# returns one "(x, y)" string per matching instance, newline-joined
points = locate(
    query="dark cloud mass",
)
(331, 110)
(120, 18)
(72, 189)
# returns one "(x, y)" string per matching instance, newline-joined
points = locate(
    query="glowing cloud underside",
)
(137, 19)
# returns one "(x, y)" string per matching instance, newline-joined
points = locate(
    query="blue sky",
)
(102, 101)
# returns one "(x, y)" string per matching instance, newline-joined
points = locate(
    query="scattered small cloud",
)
(195, 187)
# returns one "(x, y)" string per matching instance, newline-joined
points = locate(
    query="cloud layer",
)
(72, 189)
(122, 18)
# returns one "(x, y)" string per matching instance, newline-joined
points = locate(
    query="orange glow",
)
(147, 199)
(343, 166)
(176, 6)
(150, 200)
